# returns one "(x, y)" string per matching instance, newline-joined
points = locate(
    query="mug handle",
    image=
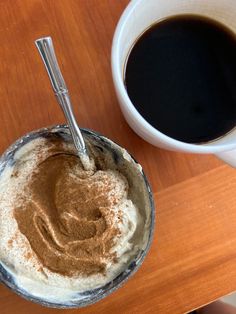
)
(228, 157)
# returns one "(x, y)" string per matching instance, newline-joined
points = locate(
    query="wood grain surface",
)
(193, 256)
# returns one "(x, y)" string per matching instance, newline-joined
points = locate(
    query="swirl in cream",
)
(72, 215)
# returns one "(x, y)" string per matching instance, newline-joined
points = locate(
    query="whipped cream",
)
(18, 254)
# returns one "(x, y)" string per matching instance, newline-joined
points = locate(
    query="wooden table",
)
(192, 260)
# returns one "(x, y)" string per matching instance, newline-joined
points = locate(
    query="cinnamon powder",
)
(68, 216)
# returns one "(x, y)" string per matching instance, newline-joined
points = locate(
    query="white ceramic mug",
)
(136, 18)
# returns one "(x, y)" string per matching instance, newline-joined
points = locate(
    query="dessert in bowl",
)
(71, 236)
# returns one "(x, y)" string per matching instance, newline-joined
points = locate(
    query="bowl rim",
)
(8, 279)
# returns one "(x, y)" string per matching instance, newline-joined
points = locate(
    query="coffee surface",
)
(181, 77)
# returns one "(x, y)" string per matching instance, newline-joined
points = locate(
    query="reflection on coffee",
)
(181, 77)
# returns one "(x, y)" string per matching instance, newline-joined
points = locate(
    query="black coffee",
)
(181, 77)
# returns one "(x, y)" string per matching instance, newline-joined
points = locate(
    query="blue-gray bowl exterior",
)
(91, 296)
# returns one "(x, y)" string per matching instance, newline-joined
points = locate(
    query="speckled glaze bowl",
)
(91, 296)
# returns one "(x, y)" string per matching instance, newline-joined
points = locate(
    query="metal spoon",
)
(47, 53)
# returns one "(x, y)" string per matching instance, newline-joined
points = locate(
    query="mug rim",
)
(126, 102)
